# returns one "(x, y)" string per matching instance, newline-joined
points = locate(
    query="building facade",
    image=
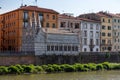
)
(13, 24)
(106, 31)
(90, 31)
(68, 22)
(57, 42)
(115, 32)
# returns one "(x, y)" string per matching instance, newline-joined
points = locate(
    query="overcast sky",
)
(66, 6)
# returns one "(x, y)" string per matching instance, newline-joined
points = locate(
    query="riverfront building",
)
(32, 29)
(106, 29)
(90, 32)
(14, 23)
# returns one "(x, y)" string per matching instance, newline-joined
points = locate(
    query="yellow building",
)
(12, 23)
(106, 31)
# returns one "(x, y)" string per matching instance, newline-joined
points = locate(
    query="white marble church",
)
(49, 41)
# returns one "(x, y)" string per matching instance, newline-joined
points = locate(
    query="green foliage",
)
(3, 70)
(99, 67)
(115, 66)
(78, 67)
(38, 68)
(49, 69)
(28, 68)
(69, 68)
(20, 68)
(13, 70)
(56, 68)
(92, 66)
(106, 65)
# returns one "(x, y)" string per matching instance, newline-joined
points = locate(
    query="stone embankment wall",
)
(59, 59)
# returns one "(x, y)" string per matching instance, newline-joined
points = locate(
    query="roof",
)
(89, 20)
(103, 14)
(66, 16)
(34, 8)
(114, 15)
(57, 31)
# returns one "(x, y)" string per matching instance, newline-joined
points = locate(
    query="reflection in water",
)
(99, 75)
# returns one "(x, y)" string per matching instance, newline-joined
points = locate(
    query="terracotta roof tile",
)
(32, 8)
(66, 16)
(89, 20)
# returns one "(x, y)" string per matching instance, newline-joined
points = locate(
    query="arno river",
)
(99, 75)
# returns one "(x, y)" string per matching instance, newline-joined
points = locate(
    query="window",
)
(85, 33)
(76, 48)
(85, 49)
(103, 34)
(71, 24)
(56, 48)
(65, 48)
(48, 47)
(109, 34)
(85, 41)
(118, 21)
(52, 48)
(108, 20)
(53, 25)
(103, 20)
(69, 48)
(91, 41)
(73, 49)
(91, 26)
(76, 25)
(103, 27)
(97, 41)
(91, 33)
(47, 25)
(97, 27)
(25, 24)
(41, 16)
(62, 25)
(25, 15)
(97, 49)
(115, 40)
(109, 27)
(115, 34)
(53, 17)
(47, 16)
(85, 26)
(61, 48)
(33, 15)
(103, 41)
(114, 20)
(97, 34)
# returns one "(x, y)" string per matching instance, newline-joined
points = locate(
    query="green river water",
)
(99, 75)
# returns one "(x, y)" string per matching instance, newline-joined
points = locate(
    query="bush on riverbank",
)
(18, 69)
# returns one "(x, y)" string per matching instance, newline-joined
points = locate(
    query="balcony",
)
(25, 19)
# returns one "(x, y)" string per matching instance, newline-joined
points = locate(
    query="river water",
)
(99, 75)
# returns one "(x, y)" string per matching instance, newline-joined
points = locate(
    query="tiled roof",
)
(66, 16)
(89, 20)
(114, 15)
(103, 14)
(32, 8)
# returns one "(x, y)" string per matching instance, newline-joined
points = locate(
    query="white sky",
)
(67, 6)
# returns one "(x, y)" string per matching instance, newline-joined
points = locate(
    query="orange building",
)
(12, 23)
